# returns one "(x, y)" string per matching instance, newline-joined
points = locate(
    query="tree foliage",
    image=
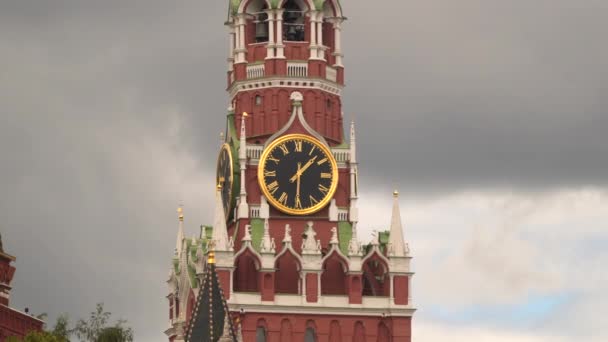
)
(95, 329)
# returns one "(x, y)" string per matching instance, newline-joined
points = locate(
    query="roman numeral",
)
(325, 175)
(283, 198)
(284, 148)
(270, 173)
(313, 200)
(312, 150)
(298, 204)
(270, 157)
(273, 187)
(323, 189)
(322, 161)
(298, 145)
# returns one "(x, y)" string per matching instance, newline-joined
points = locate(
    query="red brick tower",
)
(285, 229)
(12, 322)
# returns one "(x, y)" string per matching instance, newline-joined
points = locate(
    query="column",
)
(270, 46)
(279, 44)
(231, 48)
(313, 35)
(338, 42)
(321, 48)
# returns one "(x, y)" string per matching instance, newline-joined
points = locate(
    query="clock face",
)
(298, 174)
(225, 177)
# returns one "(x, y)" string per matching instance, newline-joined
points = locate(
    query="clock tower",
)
(287, 253)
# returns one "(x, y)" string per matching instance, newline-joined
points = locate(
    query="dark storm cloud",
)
(110, 113)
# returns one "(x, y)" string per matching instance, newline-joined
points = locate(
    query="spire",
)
(266, 246)
(353, 143)
(243, 208)
(243, 138)
(180, 230)
(220, 232)
(396, 242)
(310, 245)
(210, 318)
(334, 237)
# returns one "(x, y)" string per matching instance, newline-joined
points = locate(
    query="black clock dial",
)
(298, 174)
(225, 177)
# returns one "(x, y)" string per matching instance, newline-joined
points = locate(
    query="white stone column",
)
(313, 35)
(280, 47)
(338, 42)
(271, 44)
(231, 48)
(321, 48)
(241, 21)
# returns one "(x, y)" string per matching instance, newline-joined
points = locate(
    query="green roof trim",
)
(384, 237)
(257, 233)
(192, 276)
(345, 234)
(319, 4)
(176, 265)
(234, 5)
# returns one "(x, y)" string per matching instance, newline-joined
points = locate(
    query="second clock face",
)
(297, 174)
(224, 177)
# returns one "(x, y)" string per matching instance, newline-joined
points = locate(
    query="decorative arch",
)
(287, 275)
(359, 332)
(286, 330)
(376, 279)
(310, 334)
(244, 7)
(335, 332)
(384, 333)
(305, 5)
(246, 272)
(261, 331)
(334, 279)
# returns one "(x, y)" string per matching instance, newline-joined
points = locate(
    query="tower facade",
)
(13, 323)
(287, 253)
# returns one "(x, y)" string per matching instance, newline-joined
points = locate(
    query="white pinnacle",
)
(396, 241)
(220, 232)
(266, 245)
(180, 232)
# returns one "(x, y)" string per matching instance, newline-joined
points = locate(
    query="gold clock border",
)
(334, 179)
(226, 147)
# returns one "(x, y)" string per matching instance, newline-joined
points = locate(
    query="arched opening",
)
(190, 306)
(261, 331)
(310, 335)
(257, 22)
(333, 278)
(359, 333)
(384, 334)
(287, 275)
(294, 26)
(375, 277)
(246, 273)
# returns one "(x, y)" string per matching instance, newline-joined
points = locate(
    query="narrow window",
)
(258, 100)
(260, 334)
(310, 335)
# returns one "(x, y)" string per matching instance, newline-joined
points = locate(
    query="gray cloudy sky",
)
(489, 115)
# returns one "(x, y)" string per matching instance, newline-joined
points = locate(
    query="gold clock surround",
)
(220, 181)
(274, 202)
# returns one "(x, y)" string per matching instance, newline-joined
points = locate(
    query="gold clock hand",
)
(298, 184)
(301, 171)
